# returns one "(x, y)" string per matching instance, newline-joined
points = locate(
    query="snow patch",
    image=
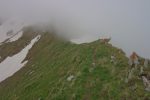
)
(10, 28)
(16, 36)
(12, 64)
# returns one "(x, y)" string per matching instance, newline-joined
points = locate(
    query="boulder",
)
(146, 63)
(70, 78)
(141, 70)
(146, 83)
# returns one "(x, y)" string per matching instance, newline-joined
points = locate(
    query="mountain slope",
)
(11, 48)
(53, 61)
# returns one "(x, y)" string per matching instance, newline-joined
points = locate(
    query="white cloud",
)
(126, 20)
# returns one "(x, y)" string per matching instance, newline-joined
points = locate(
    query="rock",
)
(141, 70)
(146, 83)
(70, 78)
(134, 87)
(147, 89)
(113, 59)
(130, 62)
(146, 63)
(130, 73)
(136, 62)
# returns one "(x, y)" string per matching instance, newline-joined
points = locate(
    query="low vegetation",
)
(94, 76)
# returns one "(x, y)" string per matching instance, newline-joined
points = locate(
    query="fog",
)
(126, 21)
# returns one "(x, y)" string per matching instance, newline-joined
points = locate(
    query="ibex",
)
(134, 59)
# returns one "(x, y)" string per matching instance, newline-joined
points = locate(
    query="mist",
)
(126, 21)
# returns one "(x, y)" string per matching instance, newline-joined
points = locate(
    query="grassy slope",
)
(51, 61)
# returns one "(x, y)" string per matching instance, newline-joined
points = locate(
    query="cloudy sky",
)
(126, 21)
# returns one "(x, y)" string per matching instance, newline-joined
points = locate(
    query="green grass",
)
(52, 60)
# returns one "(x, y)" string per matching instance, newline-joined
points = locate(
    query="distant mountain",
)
(61, 70)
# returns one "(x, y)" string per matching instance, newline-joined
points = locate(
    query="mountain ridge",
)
(52, 61)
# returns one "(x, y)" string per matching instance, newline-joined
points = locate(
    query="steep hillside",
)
(11, 48)
(60, 70)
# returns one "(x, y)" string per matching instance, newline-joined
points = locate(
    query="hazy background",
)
(126, 21)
